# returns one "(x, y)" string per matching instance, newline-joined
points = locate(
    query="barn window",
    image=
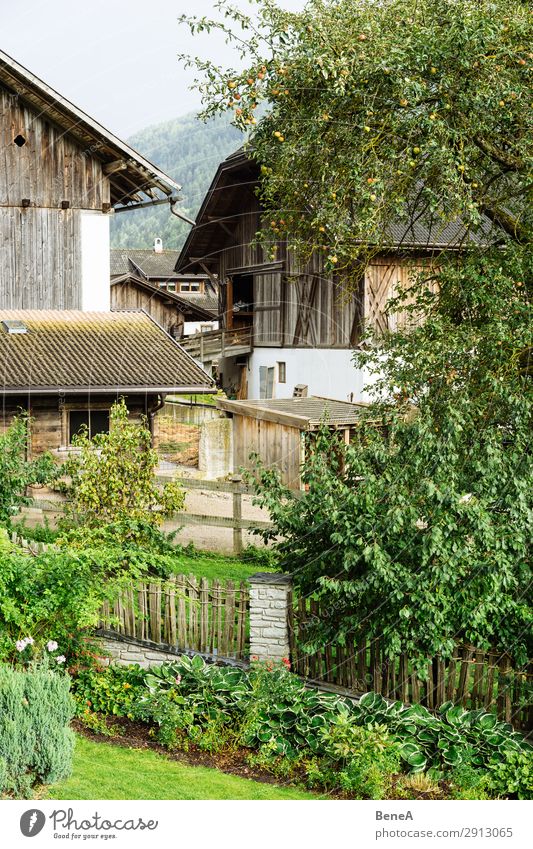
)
(282, 372)
(96, 421)
(19, 140)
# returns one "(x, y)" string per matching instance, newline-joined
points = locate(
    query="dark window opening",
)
(19, 140)
(96, 421)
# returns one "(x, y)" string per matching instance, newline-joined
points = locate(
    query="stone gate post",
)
(269, 630)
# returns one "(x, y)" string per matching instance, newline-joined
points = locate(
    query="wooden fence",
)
(186, 613)
(237, 488)
(472, 678)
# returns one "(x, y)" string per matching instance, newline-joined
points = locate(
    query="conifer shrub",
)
(36, 743)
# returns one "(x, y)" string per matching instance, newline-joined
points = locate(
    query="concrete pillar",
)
(269, 631)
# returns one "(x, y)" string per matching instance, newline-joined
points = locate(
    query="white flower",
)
(464, 499)
(21, 645)
(61, 658)
(421, 524)
(51, 645)
(29, 641)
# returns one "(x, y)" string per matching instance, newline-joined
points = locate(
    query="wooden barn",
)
(172, 311)
(67, 367)
(62, 176)
(64, 356)
(287, 328)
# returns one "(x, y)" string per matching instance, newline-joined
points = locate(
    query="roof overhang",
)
(129, 173)
(106, 390)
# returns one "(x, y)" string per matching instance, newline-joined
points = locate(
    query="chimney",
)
(158, 246)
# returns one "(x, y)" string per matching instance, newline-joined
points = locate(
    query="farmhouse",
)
(288, 329)
(63, 355)
(181, 303)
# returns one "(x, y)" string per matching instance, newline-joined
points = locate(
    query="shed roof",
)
(303, 413)
(138, 176)
(149, 262)
(96, 352)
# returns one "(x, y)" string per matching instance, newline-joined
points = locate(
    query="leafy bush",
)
(113, 691)
(112, 478)
(16, 472)
(36, 743)
(357, 748)
(58, 595)
(512, 774)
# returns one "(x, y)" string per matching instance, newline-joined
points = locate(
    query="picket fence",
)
(185, 613)
(472, 678)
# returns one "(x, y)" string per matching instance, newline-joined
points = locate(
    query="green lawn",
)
(104, 771)
(217, 567)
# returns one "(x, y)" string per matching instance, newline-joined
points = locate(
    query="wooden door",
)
(267, 320)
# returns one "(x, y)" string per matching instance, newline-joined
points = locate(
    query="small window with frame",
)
(282, 372)
(96, 421)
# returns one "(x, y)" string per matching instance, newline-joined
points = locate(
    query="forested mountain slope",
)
(189, 151)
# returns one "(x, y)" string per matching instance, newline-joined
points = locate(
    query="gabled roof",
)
(228, 197)
(150, 264)
(138, 175)
(93, 352)
(192, 309)
(233, 187)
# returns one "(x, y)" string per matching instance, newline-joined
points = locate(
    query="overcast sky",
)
(116, 59)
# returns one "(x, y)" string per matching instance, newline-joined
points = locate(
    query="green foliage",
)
(360, 759)
(512, 774)
(16, 472)
(379, 112)
(293, 731)
(112, 478)
(58, 595)
(189, 151)
(113, 691)
(36, 743)
(261, 558)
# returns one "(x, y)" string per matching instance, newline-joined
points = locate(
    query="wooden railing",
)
(472, 678)
(218, 343)
(184, 612)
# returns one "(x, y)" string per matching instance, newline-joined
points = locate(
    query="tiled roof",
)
(312, 411)
(205, 302)
(152, 264)
(71, 350)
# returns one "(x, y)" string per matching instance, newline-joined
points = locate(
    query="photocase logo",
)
(32, 822)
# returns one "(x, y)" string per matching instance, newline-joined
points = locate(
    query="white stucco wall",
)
(95, 258)
(328, 373)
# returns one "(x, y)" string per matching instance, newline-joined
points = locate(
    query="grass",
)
(217, 566)
(105, 771)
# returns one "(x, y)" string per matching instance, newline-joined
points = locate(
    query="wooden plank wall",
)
(40, 245)
(50, 167)
(278, 445)
(128, 296)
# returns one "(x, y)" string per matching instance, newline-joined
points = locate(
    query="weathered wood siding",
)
(128, 296)
(49, 416)
(278, 445)
(40, 243)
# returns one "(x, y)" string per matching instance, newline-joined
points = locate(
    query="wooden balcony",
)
(215, 344)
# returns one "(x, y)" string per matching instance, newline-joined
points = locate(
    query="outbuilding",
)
(280, 430)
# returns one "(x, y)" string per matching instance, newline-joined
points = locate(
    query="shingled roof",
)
(79, 352)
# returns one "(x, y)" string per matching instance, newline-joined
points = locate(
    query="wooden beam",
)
(240, 408)
(117, 165)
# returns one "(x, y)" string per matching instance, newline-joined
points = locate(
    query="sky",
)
(115, 59)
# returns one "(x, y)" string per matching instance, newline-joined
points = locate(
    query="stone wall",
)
(269, 633)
